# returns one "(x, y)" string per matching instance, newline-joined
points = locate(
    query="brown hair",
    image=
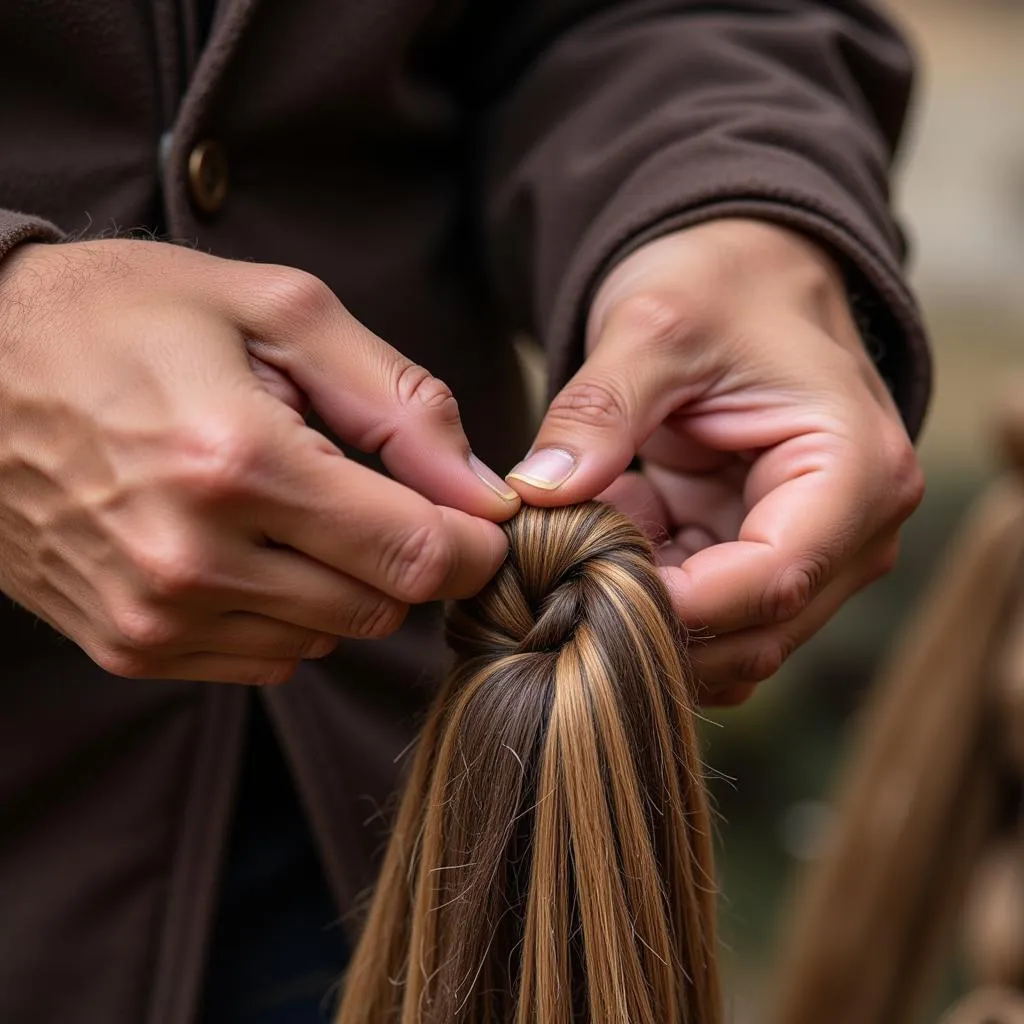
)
(919, 804)
(551, 860)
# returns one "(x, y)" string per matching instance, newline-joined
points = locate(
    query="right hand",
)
(164, 504)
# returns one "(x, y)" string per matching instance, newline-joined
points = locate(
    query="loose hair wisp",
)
(551, 859)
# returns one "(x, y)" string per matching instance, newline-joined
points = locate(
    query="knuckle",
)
(417, 563)
(890, 556)
(145, 631)
(298, 297)
(375, 619)
(317, 647)
(122, 662)
(793, 590)
(660, 319)
(274, 674)
(734, 696)
(766, 660)
(216, 457)
(416, 386)
(590, 403)
(884, 563)
(908, 479)
(170, 573)
(662, 322)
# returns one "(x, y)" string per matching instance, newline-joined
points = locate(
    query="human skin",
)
(164, 504)
(776, 471)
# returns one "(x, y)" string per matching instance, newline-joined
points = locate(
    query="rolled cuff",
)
(16, 228)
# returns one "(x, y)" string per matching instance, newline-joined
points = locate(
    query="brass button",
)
(208, 175)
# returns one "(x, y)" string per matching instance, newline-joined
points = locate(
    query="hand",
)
(162, 501)
(775, 469)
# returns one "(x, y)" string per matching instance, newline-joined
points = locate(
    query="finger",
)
(710, 503)
(240, 636)
(634, 496)
(371, 395)
(291, 587)
(595, 425)
(374, 529)
(705, 508)
(750, 656)
(226, 668)
(264, 638)
(813, 509)
(731, 697)
(278, 384)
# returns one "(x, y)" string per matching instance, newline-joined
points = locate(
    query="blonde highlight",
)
(551, 858)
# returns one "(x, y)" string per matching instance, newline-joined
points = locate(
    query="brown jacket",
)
(456, 172)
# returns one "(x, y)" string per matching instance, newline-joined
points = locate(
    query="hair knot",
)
(547, 589)
(556, 619)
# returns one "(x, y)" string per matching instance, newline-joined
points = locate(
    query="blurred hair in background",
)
(961, 193)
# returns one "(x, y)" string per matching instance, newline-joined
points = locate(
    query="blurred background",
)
(961, 193)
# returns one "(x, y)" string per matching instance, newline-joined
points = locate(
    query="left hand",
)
(776, 471)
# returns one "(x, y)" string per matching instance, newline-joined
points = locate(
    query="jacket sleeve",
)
(604, 123)
(18, 227)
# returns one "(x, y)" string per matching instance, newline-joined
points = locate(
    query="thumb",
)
(371, 395)
(596, 424)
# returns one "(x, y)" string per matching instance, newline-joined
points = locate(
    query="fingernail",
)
(548, 468)
(491, 479)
